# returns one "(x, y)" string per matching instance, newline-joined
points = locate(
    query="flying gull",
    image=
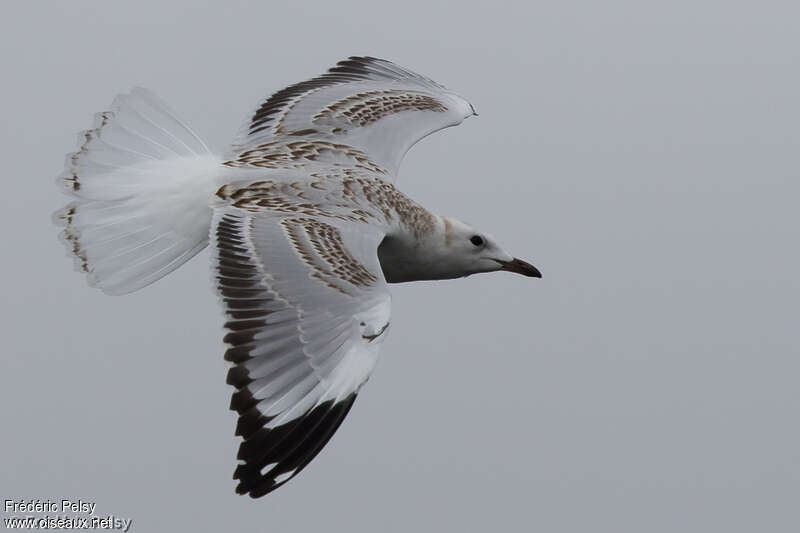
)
(306, 230)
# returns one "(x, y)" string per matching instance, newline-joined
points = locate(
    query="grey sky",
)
(643, 156)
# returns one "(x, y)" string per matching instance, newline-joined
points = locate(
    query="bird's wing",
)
(369, 104)
(307, 308)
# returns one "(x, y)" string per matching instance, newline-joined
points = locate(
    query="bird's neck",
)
(406, 256)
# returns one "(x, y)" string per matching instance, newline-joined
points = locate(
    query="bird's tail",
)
(142, 181)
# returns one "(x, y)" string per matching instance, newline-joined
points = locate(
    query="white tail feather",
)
(142, 181)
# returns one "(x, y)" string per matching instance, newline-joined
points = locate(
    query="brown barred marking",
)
(71, 182)
(448, 231)
(327, 256)
(297, 154)
(393, 203)
(272, 113)
(371, 106)
(71, 235)
(300, 133)
(346, 196)
(280, 197)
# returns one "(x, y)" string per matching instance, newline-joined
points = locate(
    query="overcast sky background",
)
(645, 156)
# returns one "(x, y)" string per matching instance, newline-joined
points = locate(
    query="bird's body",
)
(306, 230)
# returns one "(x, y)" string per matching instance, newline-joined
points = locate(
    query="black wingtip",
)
(242, 400)
(238, 376)
(286, 449)
(250, 422)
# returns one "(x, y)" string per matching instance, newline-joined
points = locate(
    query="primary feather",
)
(296, 214)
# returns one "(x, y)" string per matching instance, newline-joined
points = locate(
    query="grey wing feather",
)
(369, 104)
(307, 307)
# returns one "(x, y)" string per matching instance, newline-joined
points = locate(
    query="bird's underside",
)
(313, 204)
(294, 214)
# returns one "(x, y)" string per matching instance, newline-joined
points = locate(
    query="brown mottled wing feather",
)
(368, 104)
(307, 308)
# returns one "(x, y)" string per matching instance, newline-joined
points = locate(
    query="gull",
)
(306, 231)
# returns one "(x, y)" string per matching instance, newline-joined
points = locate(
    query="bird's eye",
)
(476, 240)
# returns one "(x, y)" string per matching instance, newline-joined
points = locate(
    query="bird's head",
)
(466, 250)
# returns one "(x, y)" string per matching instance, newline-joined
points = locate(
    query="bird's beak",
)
(520, 267)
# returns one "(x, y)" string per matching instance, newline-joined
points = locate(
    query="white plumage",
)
(306, 230)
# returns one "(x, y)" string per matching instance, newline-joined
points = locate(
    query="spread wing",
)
(307, 309)
(366, 103)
